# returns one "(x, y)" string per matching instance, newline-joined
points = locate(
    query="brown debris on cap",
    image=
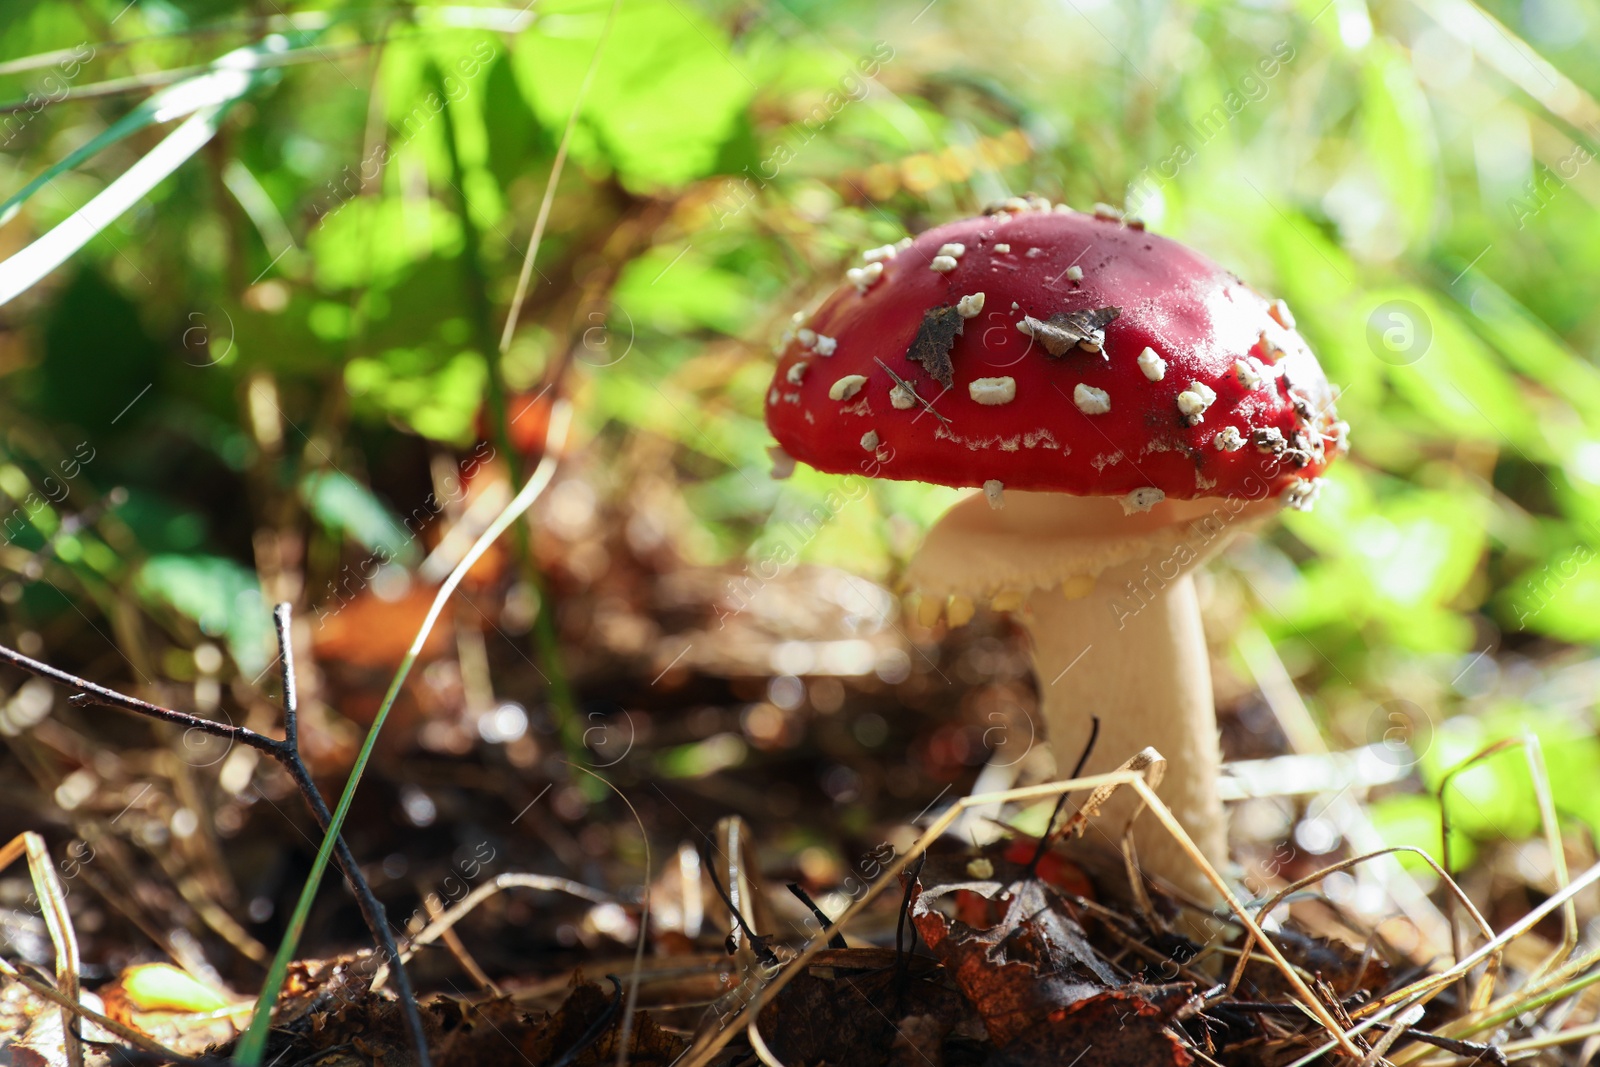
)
(1064, 330)
(931, 347)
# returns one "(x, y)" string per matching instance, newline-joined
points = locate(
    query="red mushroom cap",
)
(1100, 360)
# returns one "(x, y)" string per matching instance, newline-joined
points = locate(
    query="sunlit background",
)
(266, 381)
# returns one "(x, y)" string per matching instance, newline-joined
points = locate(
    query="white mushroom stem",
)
(1116, 635)
(1143, 670)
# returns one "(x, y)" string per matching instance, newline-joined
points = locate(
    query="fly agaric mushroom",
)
(1126, 405)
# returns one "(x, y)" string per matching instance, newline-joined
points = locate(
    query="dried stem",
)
(709, 1043)
(1294, 887)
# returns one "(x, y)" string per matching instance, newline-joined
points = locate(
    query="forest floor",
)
(636, 859)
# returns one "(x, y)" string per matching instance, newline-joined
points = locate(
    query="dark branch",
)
(90, 695)
(283, 625)
(1061, 801)
(287, 754)
(835, 938)
(371, 908)
(758, 942)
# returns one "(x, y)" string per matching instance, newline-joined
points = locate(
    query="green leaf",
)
(700, 759)
(1401, 560)
(1455, 382)
(516, 137)
(1413, 819)
(674, 290)
(373, 241)
(162, 987)
(1491, 798)
(346, 506)
(99, 361)
(1422, 548)
(1398, 142)
(1494, 799)
(666, 96)
(438, 398)
(1558, 598)
(424, 78)
(221, 596)
(160, 525)
(1531, 347)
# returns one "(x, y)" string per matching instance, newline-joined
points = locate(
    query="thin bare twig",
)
(287, 754)
(1061, 801)
(371, 907)
(836, 940)
(90, 695)
(439, 924)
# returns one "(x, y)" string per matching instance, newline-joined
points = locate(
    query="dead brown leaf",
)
(1036, 960)
(1116, 1028)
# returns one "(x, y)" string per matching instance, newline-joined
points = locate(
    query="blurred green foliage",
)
(304, 301)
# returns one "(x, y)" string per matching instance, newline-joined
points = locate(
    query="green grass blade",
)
(231, 77)
(205, 99)
(21, 271)
(252, 1046)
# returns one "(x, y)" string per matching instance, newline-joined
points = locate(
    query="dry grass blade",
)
(705, 1049)
(625, 1032)
(1147, 762)
(1553, 988)
(1317, 876)
(53, 904)
(1410, 1017)
(1154, 766)
(1289, 708)
(69, 1009)
(1555, 1040)
(733, 843)
(1308, 998)
(1424, 986)
(459, 950)
(1328, 1046)
(462, 908)
(1534, 754)
(1558, 853)
(549, 199)
(1444, 837)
